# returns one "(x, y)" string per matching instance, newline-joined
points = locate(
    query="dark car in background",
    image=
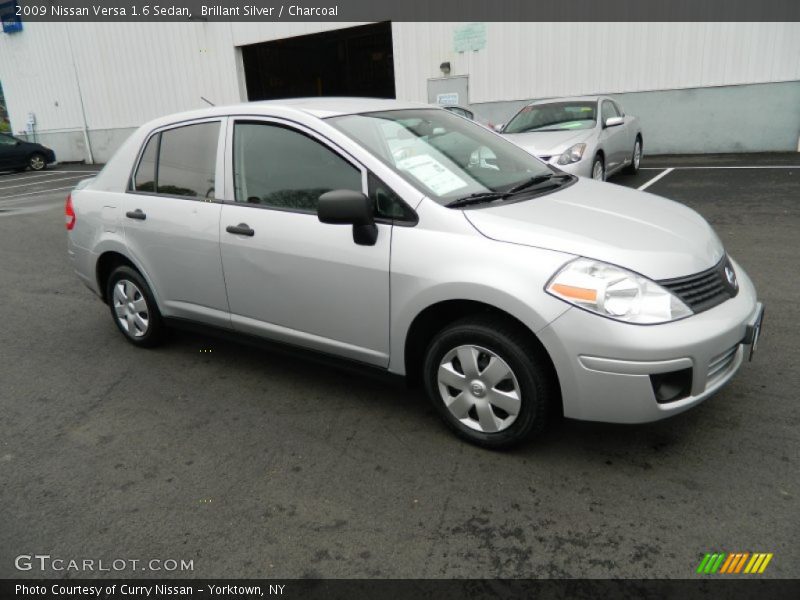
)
(19, 155)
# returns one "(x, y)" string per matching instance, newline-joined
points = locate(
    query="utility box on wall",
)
(12, 23)
(449, 91)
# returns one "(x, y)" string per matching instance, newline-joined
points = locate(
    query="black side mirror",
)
(348, 207)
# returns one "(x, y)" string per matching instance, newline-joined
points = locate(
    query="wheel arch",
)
(435, 317)
(110, 260)
(601, 153)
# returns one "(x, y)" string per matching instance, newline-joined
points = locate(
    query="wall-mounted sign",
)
(8, 17)
(471, 36)
(449, 99)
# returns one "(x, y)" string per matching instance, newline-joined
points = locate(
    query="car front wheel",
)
(598, 169)
(133, 307)
(636, 157)
(37, 162)
(489, 382)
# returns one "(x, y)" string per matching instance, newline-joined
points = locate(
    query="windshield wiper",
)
(535, 180)
(529, 182)
(476, 198)
(480, 197)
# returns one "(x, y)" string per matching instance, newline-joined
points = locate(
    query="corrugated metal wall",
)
(128, 72)
(132, 72)
(530, 60)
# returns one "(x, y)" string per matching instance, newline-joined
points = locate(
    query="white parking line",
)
(2, 189)
(40, 192)
(647, 184)
(26, 177)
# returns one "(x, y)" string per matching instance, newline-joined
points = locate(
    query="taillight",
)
(69, 213)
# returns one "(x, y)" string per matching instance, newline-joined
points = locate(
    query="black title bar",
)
(402, 10)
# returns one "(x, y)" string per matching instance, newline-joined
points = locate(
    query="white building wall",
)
(132, 72)
(128, 73)
(530, 60)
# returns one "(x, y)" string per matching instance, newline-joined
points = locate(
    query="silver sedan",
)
(415, 242)
(588, 136)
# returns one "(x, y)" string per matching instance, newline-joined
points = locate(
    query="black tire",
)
(154, 332)
(37, 162)
(599, 159)
(633, 168)
(528, 362)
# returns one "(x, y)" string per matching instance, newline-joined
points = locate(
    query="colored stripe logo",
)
(734, 563)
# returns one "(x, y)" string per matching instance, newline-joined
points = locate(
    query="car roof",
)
(568, 99)
(335, 106)
(317, 107)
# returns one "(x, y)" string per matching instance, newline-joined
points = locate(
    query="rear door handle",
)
(240, 229)
(136, 214)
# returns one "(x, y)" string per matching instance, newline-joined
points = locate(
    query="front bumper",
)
(605, 366)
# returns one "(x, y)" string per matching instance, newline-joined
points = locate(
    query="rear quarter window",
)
(145, 178)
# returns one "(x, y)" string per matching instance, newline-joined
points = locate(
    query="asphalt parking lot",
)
(254, 464)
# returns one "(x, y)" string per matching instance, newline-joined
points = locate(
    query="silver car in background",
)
(590, 136)
(421, 244)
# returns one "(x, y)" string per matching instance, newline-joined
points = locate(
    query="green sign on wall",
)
(471, 36)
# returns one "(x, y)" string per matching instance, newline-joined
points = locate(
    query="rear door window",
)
(180, 162)
(187, 160)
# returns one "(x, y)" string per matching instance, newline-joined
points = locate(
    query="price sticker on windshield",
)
(433, 174)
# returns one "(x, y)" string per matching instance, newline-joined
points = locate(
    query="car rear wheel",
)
(636, 157)
(598, 169)
(488, 381)
(133, 307)
(37, 162)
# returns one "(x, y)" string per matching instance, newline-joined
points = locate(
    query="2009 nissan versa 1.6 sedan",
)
(378, 231)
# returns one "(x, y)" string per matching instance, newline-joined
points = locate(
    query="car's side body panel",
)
(430, 265)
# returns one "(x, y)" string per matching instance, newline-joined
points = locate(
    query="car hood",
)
(549, 143)
(653, 236)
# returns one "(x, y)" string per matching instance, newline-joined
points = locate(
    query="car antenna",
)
(207, 101)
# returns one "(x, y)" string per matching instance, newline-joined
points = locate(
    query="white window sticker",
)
(432, 174)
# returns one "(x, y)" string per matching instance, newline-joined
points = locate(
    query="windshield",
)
(445, 156)
(554, 116)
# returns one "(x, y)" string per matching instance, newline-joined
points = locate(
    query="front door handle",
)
(240, 229)
(136, 214)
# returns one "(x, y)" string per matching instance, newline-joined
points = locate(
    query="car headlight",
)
(572, 154)
(616, 293)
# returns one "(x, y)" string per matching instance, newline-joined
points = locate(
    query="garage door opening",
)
(356, 61)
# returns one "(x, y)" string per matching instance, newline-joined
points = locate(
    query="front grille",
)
(706, 289)
(544, 158)
(719, 365)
